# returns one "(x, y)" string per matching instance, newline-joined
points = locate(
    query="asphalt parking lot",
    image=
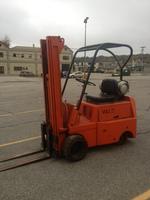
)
(107, 173)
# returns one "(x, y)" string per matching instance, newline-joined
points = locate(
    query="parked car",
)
(64, 74)
(126, 72)
(26, 74)
(77, 74)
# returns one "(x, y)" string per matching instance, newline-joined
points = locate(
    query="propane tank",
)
(123, 87)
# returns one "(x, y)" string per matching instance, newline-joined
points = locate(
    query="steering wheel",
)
(83, 81)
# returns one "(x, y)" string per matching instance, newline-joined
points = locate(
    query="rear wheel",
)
(123, 139)
(75, 148)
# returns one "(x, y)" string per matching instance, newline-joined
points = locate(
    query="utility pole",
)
(142, 58)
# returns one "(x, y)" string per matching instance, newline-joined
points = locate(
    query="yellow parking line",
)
(19, 141)
(28, 111)
(6, 115)
(144, 196)
(20, 113)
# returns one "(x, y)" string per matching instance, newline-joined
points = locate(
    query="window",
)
(65, 57)
(14, 55)
(0, 45)
(1, 69)
(17, 68)
(22, 55)
(30, 55)
(1, 54)
(25, 68)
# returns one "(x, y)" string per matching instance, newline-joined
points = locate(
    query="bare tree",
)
(6, 41)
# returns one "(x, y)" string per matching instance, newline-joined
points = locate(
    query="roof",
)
(24, 48)
(65, 46)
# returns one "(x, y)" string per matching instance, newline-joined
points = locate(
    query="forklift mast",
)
(51, 48)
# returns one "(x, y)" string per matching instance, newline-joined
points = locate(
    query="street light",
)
(85, 22)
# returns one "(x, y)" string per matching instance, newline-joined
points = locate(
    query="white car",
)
(77, 74)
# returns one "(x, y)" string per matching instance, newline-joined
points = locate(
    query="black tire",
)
(123, 139)
(75, 148)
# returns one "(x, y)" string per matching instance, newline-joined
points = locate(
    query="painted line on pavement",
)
(19, 141)
(6, 115)
(144, 196)
(28, 111)
(20, 113)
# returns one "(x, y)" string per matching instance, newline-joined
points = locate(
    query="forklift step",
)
(22, 160)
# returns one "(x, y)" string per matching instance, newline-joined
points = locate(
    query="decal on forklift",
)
(108, 111)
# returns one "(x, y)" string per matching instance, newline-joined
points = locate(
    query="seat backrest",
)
(109, 87)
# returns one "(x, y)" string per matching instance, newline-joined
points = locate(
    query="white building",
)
(19, 58)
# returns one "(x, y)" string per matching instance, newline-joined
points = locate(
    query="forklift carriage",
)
(69, 130)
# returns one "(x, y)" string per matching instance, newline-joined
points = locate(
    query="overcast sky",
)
(125, 21)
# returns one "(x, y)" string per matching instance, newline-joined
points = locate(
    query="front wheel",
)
(75, 148)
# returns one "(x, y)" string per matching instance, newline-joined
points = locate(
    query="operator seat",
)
(111, 90)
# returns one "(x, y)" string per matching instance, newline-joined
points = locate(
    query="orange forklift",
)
(69, 130)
